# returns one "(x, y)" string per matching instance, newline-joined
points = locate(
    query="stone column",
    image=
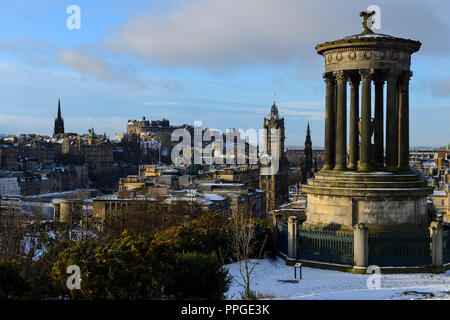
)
(333, 149)
(403, 122)
(361, 246)
(364, 163)
(329, 155)
(354, 120)
(341, 121)
(392, 121)
(437, 248)
(292, 237)
(378, 122)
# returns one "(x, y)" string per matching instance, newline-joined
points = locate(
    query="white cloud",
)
(95, 65)
(84, 63)
(310, 115)
(218, 34)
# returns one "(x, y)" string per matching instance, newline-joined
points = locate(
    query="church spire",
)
(59, 109)
(307, 165)
(59, 121)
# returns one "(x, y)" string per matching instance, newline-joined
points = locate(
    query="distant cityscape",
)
(178, 211)
(41, 170)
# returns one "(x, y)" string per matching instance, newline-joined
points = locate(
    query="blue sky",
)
(216, 61)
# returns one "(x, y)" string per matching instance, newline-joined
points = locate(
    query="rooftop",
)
(371, 39)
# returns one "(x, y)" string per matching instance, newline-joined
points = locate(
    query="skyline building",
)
(59, 122)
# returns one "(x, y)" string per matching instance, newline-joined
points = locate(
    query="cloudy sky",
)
(216, 61)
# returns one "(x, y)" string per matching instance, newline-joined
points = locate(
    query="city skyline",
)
(135, 60)
(256, 150)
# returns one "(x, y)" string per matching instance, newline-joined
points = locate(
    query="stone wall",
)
(345, 212)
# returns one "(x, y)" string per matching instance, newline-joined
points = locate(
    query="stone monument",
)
(366, 176)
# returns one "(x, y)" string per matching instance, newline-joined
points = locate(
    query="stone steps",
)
(379, 176)
(366, 184)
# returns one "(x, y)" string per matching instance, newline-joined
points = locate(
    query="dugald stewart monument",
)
(360, 183)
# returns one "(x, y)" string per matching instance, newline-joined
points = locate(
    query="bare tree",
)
(12, 233)
(243, 243)
(151, 213)
(20, 234)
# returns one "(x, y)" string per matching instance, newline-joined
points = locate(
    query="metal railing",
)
(282, 236)
(325, 245)
(446, 245)
(399, 249)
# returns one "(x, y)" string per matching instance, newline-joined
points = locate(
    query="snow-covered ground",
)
(269, 279)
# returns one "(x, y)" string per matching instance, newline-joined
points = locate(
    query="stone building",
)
(53, 180)
(294, 156)
(295, 208)
(190, 202)
(273, 178)
(441, 201)
(35, 151)
(131, 147)
(145, 126)
(247, 175)
(94, 150)
(8, 157)
(154, 140)
(242, 200)
(369, 186)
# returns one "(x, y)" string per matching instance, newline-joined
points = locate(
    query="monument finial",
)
(366, 15)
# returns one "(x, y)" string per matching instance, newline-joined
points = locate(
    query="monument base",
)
(383, 201)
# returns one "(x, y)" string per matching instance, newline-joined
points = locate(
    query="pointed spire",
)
(59, 109)
(308, 130)
(59, 122)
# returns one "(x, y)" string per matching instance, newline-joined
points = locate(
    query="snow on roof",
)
(213, 197)
(285, 205)
(439, 193)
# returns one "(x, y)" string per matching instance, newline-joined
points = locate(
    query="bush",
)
(210, 233)
(132, 267)
(40, 274)
(13, 284)
(198, 276)
(183, 262)
(140, 267)
(205, 234)
(81, 254)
